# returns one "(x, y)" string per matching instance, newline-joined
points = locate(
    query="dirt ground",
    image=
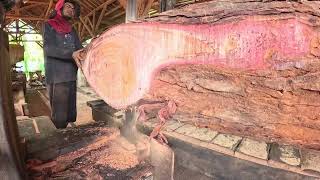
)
(88, 151)
(91, 150)
(94, 152)
(100, 153)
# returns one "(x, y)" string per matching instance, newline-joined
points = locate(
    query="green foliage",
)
(33, 53)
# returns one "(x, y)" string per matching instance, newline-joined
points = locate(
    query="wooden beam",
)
(142, 6)
(86, 4)
(94, 20)
(78, 29)
(36, 2)
(147, 8)
(83, 28)
(30, 6)
(95, 2)
(112, 10)
(40, 44)
(87, 27)
(26, 41)
(26, 18)
(92, 3)
(17, 12)
(13, 37)
(94, 23)
(48, 10)
(102, 14)
(40, 22)
(17, 27)
(99, 7)
(8, 22)
(117, 15)
(89, 21)
(21, 32)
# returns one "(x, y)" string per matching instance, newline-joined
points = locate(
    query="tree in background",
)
(33, 52)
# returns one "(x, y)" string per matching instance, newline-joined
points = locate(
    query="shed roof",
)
(96, 15)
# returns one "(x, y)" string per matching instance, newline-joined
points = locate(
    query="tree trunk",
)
(247, 68)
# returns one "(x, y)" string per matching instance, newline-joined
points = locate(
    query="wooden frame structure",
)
(18, 28)
(96, 15)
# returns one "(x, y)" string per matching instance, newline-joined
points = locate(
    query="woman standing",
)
(60, 41)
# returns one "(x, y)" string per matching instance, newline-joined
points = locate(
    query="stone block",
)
(203, 134)
(254, 148)
(285, 154)
(310, 160)
(172, 125)
(227, 140)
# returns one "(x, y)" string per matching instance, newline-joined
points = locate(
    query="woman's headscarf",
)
(58, 22)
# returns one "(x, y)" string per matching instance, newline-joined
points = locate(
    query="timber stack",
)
(248, 68)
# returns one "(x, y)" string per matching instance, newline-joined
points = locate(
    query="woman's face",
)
(68, 10)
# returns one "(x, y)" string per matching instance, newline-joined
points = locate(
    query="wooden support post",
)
(10, 157)
(166, 5)
(131, 10)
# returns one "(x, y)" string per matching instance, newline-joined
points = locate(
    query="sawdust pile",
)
(119, 159)
(107, 156)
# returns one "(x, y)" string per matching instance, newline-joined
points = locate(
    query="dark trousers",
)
(63, 103)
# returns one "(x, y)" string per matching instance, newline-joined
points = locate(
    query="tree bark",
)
(276, 106)
(244, 67)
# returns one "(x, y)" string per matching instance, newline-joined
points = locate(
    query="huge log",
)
(243, 67)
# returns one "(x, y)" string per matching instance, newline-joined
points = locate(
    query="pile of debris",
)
(109, 156)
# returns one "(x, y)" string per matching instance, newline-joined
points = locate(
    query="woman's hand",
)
(79, 56)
